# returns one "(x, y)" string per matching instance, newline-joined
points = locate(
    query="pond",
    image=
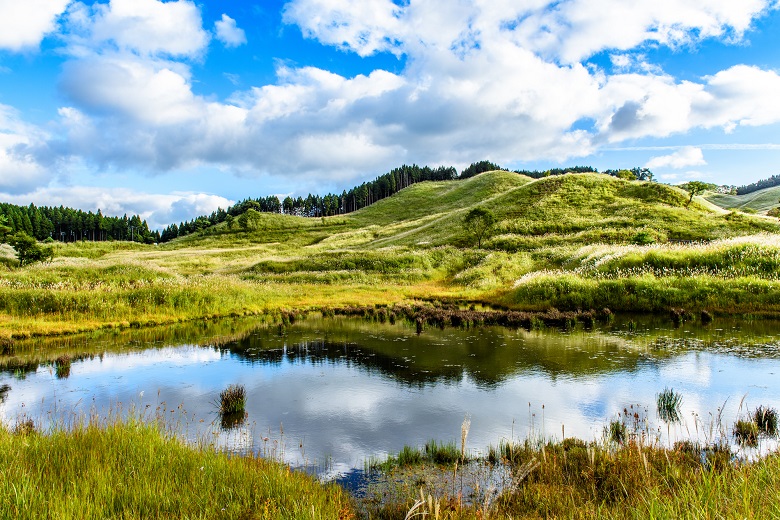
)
(331, 393)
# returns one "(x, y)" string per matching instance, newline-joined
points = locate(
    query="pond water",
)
(332, 393)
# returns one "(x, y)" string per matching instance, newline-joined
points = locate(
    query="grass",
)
(668, 404)
(232, 400)
(766, 420)
(566, 242)
(577, 479)
(760, 201)
(133, 470)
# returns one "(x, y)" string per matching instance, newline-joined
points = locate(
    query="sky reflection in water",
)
(335, 392)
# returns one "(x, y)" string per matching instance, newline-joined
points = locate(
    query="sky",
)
(170, 109)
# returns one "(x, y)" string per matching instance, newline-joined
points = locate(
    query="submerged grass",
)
(133, 470)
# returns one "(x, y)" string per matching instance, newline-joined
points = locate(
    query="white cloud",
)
(363, 26)
(150, 27)
(157, 209)
(687, 156)
(19, 169)
(23, 24)
(648, 105)
(148, 91)
(498, 79)
(228, 33)
(566, 31)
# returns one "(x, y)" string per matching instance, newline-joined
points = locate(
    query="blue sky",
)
(171, 109)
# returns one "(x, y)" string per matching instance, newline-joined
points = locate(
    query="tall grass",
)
(133, 470)
(562, 242)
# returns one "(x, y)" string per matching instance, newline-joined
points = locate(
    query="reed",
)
(766, 420)
(668, 404)
(232, 400)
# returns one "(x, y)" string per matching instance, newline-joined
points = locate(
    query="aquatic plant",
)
(766, 420)
(232, 400)
(668, 405)
(616, 431)
(746, 432)
(62, 366)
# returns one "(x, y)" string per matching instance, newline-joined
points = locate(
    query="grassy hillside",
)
(759, 201)
(573, 241)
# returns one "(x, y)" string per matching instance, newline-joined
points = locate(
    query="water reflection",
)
(335, 392)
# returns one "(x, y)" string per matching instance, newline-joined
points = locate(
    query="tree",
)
(478, 222)
(695, 188)
(28, 250)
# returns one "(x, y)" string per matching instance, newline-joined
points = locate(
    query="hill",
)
(759, 201)
(575, 241)
(580, 209)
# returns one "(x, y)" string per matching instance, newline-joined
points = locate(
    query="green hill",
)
(575, 241)
(567, 209)
(759, 201)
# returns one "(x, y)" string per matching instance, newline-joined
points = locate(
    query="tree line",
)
(771, 182)
(69, 225)
(316, 205)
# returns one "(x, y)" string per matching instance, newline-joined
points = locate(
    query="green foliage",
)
(766, 420)
(478, 223)
(28, 250)
(616, 432)
(746, 432)
(696, 188)
(479, 167)
(232, 400)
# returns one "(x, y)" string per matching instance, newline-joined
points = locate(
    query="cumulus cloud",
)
(499, 79)
(228, 33)
(144, 27)
(20, 170)
(24, 24)
(658, 106)
(687, 156)
(159, 210)
(566, 31)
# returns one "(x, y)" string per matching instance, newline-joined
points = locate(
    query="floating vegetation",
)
(62, 367)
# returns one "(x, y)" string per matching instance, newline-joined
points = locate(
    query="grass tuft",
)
(668, 405)
(766, 420)
(232, 400)
(746, 432)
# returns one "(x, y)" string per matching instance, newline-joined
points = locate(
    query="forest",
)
(69, 225)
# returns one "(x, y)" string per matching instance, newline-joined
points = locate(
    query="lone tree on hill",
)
(695, 188)
(478, 222)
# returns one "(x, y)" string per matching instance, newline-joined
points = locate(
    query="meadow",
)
(584, 241)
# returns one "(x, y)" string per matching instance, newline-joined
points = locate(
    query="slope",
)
(760, 201)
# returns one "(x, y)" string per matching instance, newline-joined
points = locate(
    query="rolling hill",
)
(759, 201)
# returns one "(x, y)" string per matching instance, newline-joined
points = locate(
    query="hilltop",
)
(574, 241)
